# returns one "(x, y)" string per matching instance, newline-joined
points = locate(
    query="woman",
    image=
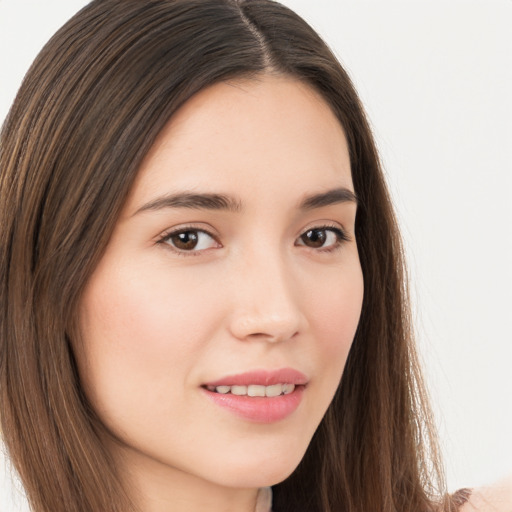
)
(202, 283)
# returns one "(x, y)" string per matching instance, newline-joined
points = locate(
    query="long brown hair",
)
(87, 113)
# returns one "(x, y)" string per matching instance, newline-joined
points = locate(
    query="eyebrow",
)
(207, 201)
(193, 201)
(333, 196)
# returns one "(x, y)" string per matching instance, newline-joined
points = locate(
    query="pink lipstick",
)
(260, 396)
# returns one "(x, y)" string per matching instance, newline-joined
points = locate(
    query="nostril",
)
(271, 337)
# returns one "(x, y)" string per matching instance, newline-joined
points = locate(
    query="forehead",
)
(266, 134)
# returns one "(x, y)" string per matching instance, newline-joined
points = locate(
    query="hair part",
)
(88, 111)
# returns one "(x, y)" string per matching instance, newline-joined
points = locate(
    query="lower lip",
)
(259, 409)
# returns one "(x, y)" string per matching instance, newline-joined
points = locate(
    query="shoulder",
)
(493, 498)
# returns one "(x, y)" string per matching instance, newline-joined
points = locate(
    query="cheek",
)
(337, 309)
(334, 319)
(141, 337)
(142, 311)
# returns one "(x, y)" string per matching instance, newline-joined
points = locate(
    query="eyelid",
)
(326, 224)
(167, 234)
(340, 232)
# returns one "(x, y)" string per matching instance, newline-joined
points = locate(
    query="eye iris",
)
(314, 237)
(186, 240)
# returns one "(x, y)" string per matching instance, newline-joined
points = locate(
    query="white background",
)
(436, 79)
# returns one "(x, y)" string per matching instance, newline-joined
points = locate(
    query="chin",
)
(259, 472)
(265, 478)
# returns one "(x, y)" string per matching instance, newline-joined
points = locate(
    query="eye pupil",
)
(186, 240)
(314, 237)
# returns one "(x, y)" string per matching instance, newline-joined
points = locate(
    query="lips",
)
(259, 396)
(254, 390)
(262, 378)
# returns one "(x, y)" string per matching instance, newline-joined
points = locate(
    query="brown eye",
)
(322, 238)
(186, 241)
(190, 240)
(314, 238)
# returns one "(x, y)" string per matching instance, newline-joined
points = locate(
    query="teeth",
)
(288, 388)
(239, 390)
(255, 390)
(275, 390)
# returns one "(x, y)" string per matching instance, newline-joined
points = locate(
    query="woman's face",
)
(232, 271)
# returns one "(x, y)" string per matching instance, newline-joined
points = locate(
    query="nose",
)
(267, 302)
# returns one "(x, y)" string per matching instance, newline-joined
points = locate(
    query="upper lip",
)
(262, 378)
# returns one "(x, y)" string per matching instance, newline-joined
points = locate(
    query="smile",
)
(254, 390)
(260, 396)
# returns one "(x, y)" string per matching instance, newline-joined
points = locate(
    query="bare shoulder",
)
(493, 498)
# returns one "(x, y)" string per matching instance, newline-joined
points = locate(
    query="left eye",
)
(190, 240)
(322, 238)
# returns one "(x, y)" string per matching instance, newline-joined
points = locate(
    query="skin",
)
(494, 498)
(158, 321)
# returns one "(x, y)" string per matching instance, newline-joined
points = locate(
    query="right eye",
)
(189, 241)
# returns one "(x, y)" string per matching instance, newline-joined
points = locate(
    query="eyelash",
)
(341, 237)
